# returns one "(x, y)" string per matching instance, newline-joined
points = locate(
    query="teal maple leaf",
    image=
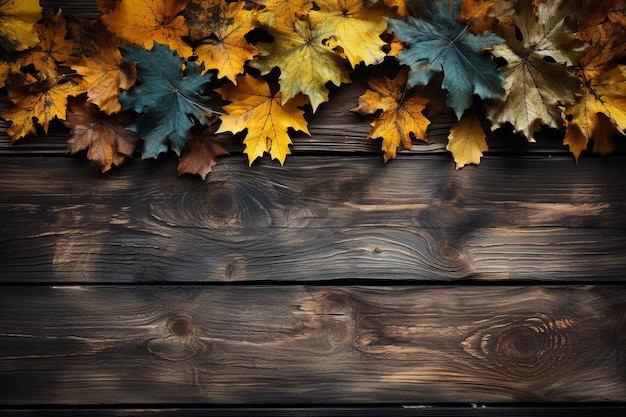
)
(167, 95)
(436, 42)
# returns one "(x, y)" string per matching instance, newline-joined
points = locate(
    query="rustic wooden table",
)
(333, 285)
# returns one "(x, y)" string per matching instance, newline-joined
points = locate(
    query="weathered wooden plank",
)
(351, 218)
(580, 410)
(311, 345)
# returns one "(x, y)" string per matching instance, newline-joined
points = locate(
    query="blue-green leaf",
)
(167, 97)
(436, 42)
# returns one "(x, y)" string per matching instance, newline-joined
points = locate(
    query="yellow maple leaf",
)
(305, 63)
(52, 48)
(17, 24)
(263, 114)
(401, 113)
(467, 141)
(606, 96)
(222, 26)
(38, 103)
(354, 28)
(280, 12)
(145, 22)
(101, 67)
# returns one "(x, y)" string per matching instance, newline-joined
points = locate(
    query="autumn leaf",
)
(606, 96)
(354, 28)
(101, 68)
(147, 21)
(467, 140)
(36, 102)
(539, 46)
(106, 6)
(280, 12)
(17, 24)
(305, 63)
(480, 15)
(52, 49)
(200, 153)
(437, 43)
(168, 99)
(255, 108)
(401, 113)
(221, 26)
(4, 72)
(107, 139)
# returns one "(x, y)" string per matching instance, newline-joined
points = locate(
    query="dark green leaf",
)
(167, 96)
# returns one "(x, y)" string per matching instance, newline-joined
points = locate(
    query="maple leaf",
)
(200, 153)
(17, 24)
(167, 98)
(606, 96)
(147, 21)
(101, 67)
(467, 140)
(401, 113)
(539, 46)
(107, 139)
(52, 49)
(297, 47)
(222, 26)
(480, 15)
(354, 28)
(36, 101)
(436, 42)
(263, 114)
(280, 12)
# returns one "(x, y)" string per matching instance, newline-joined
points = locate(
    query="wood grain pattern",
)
(313, 345)
(352, 218)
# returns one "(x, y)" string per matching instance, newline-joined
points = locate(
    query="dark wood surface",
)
(333, 285)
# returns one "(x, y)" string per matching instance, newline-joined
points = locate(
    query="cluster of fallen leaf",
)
(149, 72)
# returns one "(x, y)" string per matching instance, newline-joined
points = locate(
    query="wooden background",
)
(333, 285)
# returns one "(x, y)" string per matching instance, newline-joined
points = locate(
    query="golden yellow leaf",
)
(354, 28)
(222, 26)
(107, 138)
(467, 141)
(52, 48)
(147, 21)
(280, 12)
(263, 114)
(401, 113)
(603, 96)
(17, 24)
(305, 63)
(101, 67)
(575, 140)
(38, 103)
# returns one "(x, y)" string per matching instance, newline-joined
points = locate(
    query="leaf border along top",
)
(426, 36)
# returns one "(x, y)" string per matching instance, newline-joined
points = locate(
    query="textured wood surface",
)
(351, 218)
(333, 286)
(267, 345)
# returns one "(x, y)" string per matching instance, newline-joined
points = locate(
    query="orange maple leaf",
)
(107, 138)
(52, 49)
(262, 113)
(37, 101)
(145, 22)
(222, 27)
(101, 68)
(401, 116)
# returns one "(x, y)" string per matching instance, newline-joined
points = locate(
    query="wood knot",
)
(222, 201)
(179, 326)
